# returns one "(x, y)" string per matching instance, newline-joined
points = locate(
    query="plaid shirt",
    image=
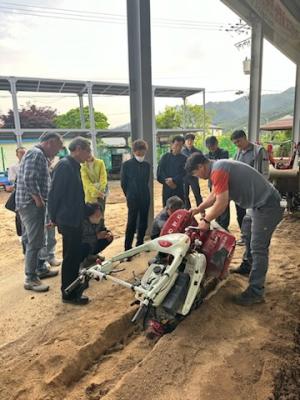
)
(33, 177)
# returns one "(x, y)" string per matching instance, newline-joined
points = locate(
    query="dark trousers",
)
(240, 213)
(193, 182)
(168, 192)
(87, 249)
(224, 219)
(137, 219)
(71, 255)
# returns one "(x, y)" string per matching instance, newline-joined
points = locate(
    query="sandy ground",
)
(49, 350)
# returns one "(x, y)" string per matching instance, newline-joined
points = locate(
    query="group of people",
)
(71, 196)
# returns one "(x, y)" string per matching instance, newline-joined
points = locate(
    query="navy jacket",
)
(135, 177)
(186, 152)
(219, 154)
(66, 204)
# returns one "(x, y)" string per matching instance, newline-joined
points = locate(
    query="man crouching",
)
(95, 236)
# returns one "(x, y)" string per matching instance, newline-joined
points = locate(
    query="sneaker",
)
(240, 242)
(54, 262)
(248, 298)
(76, 301)
(48, 273)
(36, 285)
(244, 269)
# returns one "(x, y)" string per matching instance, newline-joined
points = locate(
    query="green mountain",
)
(231, 115)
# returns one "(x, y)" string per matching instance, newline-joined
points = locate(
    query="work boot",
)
(244, 269)
(54, 262)
(76, 301)
(48, 273)
(35, 285)
(248, 298)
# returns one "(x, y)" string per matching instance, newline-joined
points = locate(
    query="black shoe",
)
(76, 301)
(244, 269)
(248, 298)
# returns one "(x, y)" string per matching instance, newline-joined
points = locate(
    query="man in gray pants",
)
(233, 180)
(257, 157)
(31, 197)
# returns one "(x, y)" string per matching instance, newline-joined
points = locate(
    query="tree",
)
(31, 116)
(71, 119)
(189, 116)
(185, 117)
(169, 118)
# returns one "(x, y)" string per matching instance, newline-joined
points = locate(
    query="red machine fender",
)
(217, 245)
(177, 222)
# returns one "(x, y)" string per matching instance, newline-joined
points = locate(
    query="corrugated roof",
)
(281, 124)
(44, 85)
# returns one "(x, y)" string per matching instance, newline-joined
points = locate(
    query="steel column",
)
(255, 81)
(184, 113)
(154, 135)
(296, 123)
(17, 131)
(140, 80)
(82, 119)
(204, 119)
(93, 132)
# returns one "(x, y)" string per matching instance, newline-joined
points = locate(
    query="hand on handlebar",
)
(194, 211)
(204, 226)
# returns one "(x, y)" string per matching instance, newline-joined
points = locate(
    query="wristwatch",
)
(205, 220)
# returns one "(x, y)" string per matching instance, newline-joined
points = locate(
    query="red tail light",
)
(165, 243)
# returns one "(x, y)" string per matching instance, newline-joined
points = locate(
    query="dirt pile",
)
(287, 379)
(51, 350)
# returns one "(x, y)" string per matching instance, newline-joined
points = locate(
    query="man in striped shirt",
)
(31, 197)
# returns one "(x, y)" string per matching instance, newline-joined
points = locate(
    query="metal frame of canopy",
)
(80, 88)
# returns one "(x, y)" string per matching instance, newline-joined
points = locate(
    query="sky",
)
(188, 49)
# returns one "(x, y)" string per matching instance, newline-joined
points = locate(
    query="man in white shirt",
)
(14, 169)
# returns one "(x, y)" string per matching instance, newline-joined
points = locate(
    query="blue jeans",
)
(257, 229)
(33, 220)
(47, 253)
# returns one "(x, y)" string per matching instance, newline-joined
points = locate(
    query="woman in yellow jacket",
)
(94, 179)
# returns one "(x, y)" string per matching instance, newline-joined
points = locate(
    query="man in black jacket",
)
(66, 209)
(216, 153)
(171, 172)
(135, 175)
(191, 181)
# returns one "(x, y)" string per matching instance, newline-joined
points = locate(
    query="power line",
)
(84, 16)
(115, 16)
